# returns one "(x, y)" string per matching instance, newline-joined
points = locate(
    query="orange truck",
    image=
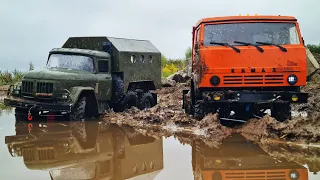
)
(243, 66)
(240, 159)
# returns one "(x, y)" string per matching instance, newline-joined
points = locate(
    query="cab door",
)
(103, 89)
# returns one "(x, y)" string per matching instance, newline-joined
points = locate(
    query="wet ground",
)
(101, 150)
(304, 127)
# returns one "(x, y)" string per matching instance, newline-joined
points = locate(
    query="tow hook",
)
(29, 113)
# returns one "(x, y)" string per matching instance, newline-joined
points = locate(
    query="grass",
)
(171, 66)
(8, 78)
(314, 48)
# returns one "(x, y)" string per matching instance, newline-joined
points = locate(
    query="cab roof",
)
(80, 51)
(120, 44)
(246, 18)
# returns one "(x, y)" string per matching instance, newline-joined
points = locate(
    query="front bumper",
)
(27, 104)
(263, 97)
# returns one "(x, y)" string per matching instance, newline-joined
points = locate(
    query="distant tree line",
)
(314, 48)
(170, 66)
(10, 77)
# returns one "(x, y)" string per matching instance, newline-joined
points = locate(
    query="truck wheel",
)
(79, 109)
(198, 111)
(129, 100)
(86, 133)
(20, 114)
(118, 86)
(281, 111)
(146, 101)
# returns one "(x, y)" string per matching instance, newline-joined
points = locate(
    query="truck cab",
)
(246, 64)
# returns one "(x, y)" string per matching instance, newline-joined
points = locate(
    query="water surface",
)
(99, 150)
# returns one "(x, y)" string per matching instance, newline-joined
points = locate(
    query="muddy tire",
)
(21, 114)
(281, 111)
(130, 99)
(79, 110)
(198, 111)
(86, 133)
(146, 101)
(118, 86)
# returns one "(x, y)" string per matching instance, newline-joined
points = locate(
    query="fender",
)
(76, 91)
(143, 85)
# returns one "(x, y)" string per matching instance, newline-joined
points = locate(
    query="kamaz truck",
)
(243, 66)
(238, 158)
(89, 75)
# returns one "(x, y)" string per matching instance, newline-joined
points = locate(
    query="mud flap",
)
(184, 92)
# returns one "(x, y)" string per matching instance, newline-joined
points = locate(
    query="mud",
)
(168, 117)
(299, 129)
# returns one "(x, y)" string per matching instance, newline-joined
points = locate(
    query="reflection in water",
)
(238, 159)
(309, 156)
(99, 150)
(4, 110)
(86, 150)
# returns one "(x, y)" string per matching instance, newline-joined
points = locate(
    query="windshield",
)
(76, 62)
(87, 171)
(277, 33)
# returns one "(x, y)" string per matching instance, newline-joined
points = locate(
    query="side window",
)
(133, 59)
(103, 66)
(142, 59)
(197, 35)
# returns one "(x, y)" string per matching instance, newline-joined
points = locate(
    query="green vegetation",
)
(171, 66)
(5, 110)
(8, 78)
(314, 48)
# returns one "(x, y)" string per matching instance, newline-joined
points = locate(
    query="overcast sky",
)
(29, 29)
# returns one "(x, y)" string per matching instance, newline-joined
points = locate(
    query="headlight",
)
(292, 79)
(16, 88)
(214, 80)
(294, 175)
(64, 96)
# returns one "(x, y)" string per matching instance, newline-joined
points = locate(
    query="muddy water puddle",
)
(100, 150)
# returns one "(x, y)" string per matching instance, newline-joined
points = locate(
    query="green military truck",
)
(110, 152)
(89, 75)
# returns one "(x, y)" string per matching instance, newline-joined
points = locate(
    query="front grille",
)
(43, 87)
(259, 175)
(27, 87)
(41, 154)
(46, 154)
(28, 155)
(253, 79)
